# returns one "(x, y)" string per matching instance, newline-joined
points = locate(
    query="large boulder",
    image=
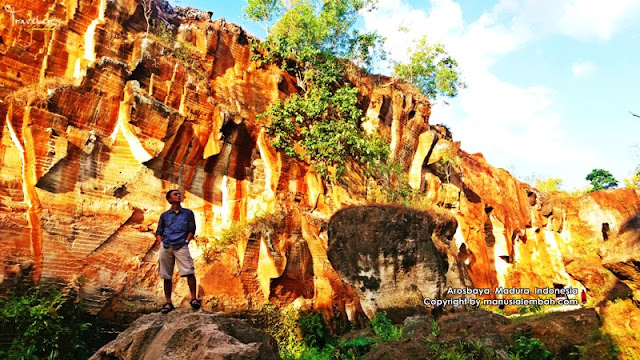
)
(394, 257)
(183, 334)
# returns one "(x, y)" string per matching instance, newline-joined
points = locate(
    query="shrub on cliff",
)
(322, 125)
(634, 180)
(549, 184)
(313, 40)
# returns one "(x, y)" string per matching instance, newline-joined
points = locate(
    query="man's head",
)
(173, 196)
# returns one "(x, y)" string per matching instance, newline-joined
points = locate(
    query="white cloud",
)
(583, 69)
(507, 123)
(580, 19)
(586, 19)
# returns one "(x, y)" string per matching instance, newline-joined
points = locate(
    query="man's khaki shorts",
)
(168, 257)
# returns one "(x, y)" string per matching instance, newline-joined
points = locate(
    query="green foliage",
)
(435, 328)
(283, 326)
(383, 328)
(314, 330)
(579, 192)
(235, 232)
(263, 11)
(431, 70)
(475, 350)
(303, 335)
(529, 348)
(44, 323)
(387, 183)
(322, 125)
(326, 26)
(530, 309)
(356, 347)
(445, 167)
(601, 179)
(179, 49)
(548, 185)
(634, 181)
(599, 346)
(492, 308)
(311, 353)
(163, 33)
(264, 223)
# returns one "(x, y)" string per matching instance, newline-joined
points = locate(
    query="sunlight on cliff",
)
(124, 116)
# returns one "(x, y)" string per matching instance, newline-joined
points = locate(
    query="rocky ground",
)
(477, 334)
(184, 334)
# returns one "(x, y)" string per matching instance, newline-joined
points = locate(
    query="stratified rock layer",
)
(99, 119)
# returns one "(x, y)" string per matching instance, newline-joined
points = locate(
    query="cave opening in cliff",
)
(463, 254)
(489, 238)
(605, 231)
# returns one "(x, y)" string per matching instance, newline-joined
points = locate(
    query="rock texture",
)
(99, 119)
(390, 256)
(183, 334)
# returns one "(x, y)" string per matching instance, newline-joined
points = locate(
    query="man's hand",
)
(158, 239)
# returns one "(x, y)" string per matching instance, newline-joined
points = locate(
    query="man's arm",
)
(160, 230)
(191, 226)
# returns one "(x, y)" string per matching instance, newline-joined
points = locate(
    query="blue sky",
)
(550, 82)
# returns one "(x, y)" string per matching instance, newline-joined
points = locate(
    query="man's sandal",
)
(167, 308)
(195, 304)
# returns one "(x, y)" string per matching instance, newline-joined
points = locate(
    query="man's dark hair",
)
(169, 193)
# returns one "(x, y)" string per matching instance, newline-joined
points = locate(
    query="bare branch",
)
(146, 6)
(638, 116)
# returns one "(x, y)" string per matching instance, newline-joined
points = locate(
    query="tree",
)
(147, 11)
(314, 40)
(549, 184)
(311, 40)
(263, 11)
(431, 69)
(601, 179)
(634, 181)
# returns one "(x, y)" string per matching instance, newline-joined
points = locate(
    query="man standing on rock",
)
(176, 228)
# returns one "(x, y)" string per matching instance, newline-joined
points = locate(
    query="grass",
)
(182, 51)
(462, 350)
(621, 321)
(303, 335)
(266, 223)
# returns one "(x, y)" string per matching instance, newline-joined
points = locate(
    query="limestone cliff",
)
(100, 119)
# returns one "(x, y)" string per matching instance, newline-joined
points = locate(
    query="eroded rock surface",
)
(183, 334)
(98, 119)
(389, 255)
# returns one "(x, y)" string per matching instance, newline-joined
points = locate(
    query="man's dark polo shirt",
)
(174, 227)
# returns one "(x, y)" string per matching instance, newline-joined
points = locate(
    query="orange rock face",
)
(100, 119)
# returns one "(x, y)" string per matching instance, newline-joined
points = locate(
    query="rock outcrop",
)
(100, 118)
(394, 257)
(183, 334)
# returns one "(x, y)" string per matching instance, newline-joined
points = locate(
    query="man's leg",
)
(185, 265)
(191, 280)
(168, 286)
(166, 262)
